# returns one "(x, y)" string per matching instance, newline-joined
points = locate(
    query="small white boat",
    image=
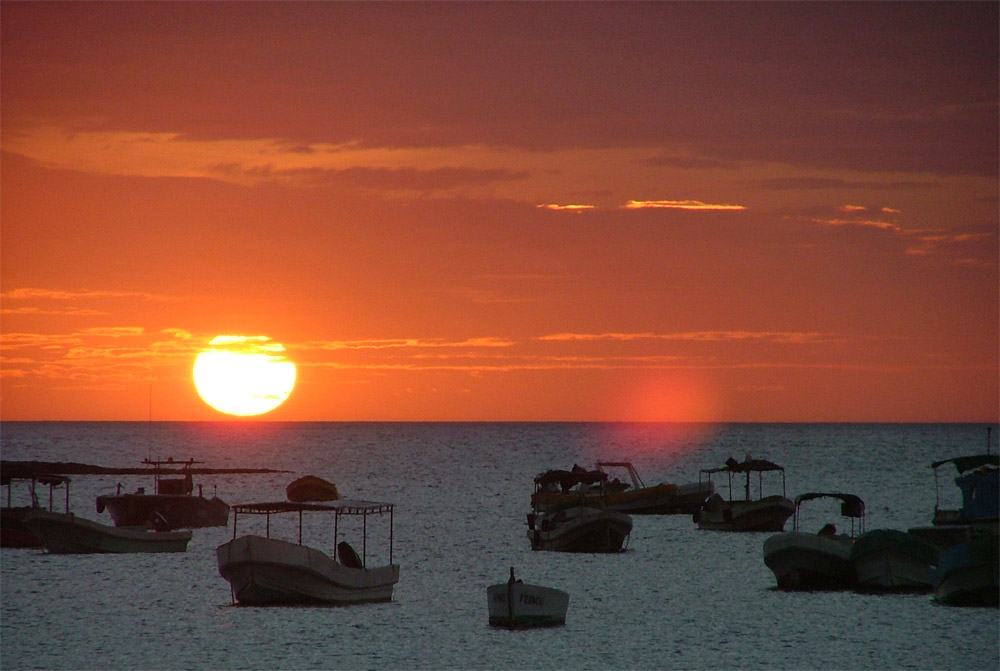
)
(816, 561)
(765, 513)
(65, 533)
(517, 605)
(889, 560)
(263, 571)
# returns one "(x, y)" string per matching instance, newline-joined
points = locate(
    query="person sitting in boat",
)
(829, 529)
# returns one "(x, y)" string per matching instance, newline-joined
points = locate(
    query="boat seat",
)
(348, 557)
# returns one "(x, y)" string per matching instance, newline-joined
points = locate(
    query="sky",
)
(705, 212)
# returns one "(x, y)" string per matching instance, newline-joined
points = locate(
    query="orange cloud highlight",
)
(678, 205)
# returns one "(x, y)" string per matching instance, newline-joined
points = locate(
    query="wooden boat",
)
(968, 573)
(816, 561)
(634, 498)
(585, 524)
(13, 531)
(516, 605)
(263, 571)
(979, 481)
(172, 505)
(66, 533)
(765, 513)
(311, 488)
(889, 560)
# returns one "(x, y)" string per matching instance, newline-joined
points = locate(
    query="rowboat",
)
(518, 605)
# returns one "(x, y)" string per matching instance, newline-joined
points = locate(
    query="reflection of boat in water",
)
(517, 605)
(311, 488)
(968, 573)
(173, 505)
(765, 513)
(13, 532)
(65, 533)
(806, 561)
(634, 497)
(583, 524)
(892, 560)
(263, 571)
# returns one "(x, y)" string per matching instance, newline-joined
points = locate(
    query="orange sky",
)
(690, 212)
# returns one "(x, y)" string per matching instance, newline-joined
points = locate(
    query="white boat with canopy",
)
(265, 571)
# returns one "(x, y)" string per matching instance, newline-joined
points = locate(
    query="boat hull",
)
(311, 488)
(584, 530)
(266, 572)
(519, 606)
(65, 533)
(165, 511)
(13, 532)
(767, 514)
(662, 499)
(889, 560)
(805, 561)
(969, 574)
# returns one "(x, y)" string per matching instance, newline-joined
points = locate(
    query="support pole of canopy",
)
(390, 535)
(364, 538)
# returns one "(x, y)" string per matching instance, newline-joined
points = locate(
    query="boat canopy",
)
(568, 479)
(746, 466)
(342, 507)
(965, 464)
(852, 505)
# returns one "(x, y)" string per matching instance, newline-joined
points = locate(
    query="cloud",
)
(786, 337)
(571, 208)
(405, 343)
(678, 205)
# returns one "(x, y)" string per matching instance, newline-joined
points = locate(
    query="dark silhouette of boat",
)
(172, 505)
(14, 533)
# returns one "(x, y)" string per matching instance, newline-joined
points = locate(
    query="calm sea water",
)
(678, 598)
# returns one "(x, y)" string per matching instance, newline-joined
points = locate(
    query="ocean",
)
(677, 598)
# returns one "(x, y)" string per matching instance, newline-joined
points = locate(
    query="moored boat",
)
(765, 513)
(13, 531)
(172, 505)
(66, 533)
(311, 488)
(889, 560)
(979, 482)
(816, 561)
(583, 524)
(968, 573)
(633, 497)
(264, 571)
(517, 605)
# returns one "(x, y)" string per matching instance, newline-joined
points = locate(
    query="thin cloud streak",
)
(678, 205)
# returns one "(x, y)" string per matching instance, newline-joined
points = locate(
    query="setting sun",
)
(243, 375)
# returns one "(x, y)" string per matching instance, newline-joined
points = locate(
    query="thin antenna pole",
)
(149, 426)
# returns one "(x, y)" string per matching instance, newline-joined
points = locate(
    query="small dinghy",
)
(517, 605)
(310, 488)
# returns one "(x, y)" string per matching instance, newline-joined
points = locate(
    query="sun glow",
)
(243, 375)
